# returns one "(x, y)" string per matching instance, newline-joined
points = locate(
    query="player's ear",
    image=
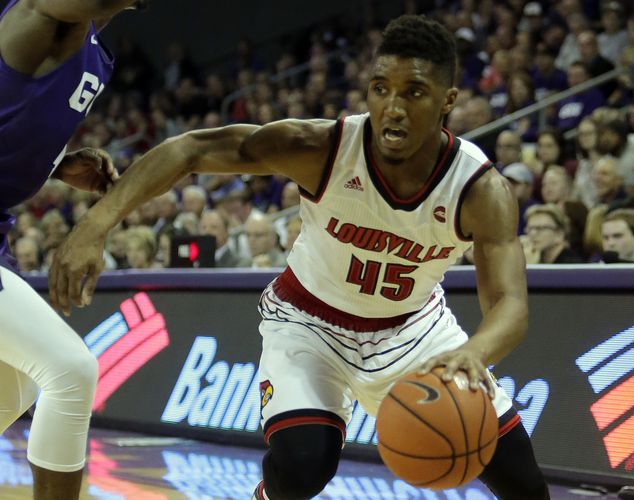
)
(451, 96)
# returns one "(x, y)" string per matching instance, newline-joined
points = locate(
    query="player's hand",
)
(76, 266)
(88, 169)
(465, 360)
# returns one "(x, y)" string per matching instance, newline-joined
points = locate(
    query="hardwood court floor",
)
(128, 466)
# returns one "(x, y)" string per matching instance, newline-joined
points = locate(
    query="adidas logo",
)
(354, 183)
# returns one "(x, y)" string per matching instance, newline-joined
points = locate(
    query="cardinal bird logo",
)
(266, 392)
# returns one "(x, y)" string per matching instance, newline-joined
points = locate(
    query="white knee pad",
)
(60, 424)
(36, 341)
(76, 373)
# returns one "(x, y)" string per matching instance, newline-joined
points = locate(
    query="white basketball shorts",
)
(310, 369)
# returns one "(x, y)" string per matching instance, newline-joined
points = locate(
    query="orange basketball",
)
(434, 434)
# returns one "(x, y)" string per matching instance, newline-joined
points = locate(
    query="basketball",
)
(436, 434)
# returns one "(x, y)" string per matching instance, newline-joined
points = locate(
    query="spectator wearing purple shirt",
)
(547, 79)
(573, 109)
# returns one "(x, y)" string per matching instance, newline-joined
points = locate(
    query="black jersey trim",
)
(325, 176)
(483, 169)
(438, 172)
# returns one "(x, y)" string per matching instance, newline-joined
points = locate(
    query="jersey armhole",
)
(483, 169)
(332, 156)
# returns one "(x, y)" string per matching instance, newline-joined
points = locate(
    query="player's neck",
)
(410, 176)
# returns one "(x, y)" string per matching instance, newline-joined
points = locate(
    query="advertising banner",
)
(185, 362)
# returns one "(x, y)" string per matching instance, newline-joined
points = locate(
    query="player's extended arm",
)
(295, 148)
(489, 215)
(30, 32)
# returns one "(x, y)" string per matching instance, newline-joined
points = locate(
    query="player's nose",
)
(395, 108)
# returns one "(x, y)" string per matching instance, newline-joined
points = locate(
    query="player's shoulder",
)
(470, 152)
(486, 184)
(302, 124)
(489, 208)
(355, 120)
(304, 133)
(291, 136)
(489, 193)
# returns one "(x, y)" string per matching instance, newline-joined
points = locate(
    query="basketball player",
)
(52, 67)
(390, 201)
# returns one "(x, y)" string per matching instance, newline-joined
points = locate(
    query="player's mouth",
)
(393, 137)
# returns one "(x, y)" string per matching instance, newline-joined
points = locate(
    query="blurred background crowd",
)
(571, 166)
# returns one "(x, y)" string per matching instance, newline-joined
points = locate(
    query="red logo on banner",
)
(125, 342)
(611, 375)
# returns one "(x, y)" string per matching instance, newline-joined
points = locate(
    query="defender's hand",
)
(88, 169)
(465, 360)
(76, 266)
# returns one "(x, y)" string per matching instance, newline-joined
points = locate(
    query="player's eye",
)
(379, 89)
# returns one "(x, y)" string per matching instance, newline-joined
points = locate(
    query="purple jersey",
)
(37, 118)
(574, 108)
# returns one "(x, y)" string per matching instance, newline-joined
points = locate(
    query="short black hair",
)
(419, 37)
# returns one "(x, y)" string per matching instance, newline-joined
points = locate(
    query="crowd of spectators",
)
(571, 167)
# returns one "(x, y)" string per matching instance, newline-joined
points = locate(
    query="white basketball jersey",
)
(363, 250)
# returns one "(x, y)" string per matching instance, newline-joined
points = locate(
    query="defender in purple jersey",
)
(52, 68)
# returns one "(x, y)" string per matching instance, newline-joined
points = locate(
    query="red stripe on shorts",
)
(509, 425)
(308, 420)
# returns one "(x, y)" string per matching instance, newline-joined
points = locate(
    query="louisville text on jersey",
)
(377, 240)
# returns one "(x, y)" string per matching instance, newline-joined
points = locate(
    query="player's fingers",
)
(490, 385)
(425, 368)
(75, 278)
(429, 365)
(62, 292)
(90, 284)
(107, 167)
(113, 174)
(475, 377)
(451, 367)
(104, 178)
(92, 158)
